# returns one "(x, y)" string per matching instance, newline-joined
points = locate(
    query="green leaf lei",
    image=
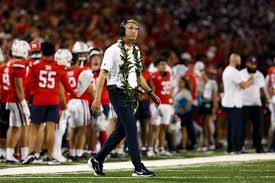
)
(124, 70)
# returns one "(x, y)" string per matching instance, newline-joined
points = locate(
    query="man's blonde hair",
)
(132, 21)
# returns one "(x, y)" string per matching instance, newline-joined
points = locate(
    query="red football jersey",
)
(16, 69)
(162, 83)
(271, 80)
(44, 77)
(73, 75)
(27, 89)
(147, 77)
(105, 99)
(4, 82)
(271, 74)
(191, 76)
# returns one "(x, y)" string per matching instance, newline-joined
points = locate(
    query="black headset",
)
(122, 28)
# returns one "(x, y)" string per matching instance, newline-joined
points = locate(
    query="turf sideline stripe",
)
(128, 165)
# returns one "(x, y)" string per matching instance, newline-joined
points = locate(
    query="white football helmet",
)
(95, 51)
(80, 47)
(64, 57)
(1, 56)
(82, 50)
(20, 48)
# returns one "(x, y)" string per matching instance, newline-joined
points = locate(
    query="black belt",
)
(113, 88)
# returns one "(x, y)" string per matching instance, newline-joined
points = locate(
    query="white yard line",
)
(257, 170)
(128, 164)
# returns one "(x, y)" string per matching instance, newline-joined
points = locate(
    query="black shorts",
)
(4, 120)
(206, 107)
(143, 111)
(186, 118)
(42, 114)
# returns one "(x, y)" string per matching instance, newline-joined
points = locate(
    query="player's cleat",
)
(96, 166)
(37, 161)
(164, 152)
(30, 158)
(212, 147)
(2, 158)
(60, 158)
(143, 172)
(52, 161)
(151, 153)
(204, 149)
(12, 160)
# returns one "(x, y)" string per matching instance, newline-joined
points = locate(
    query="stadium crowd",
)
(186, 46)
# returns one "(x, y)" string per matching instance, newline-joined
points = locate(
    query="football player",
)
(44, 78)
(161, 115)
(95, 57)
(16, 101)
(4, 113)
(64, 57)
(79, 107)
(270, 93)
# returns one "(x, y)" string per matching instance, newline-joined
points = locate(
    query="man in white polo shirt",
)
(251, 99)
(232, 102)
(121, 66)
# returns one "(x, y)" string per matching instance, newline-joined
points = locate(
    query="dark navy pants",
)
(125, 127)
(253, 114)
(234, 129)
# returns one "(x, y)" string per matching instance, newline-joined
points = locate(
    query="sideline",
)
(227, 159)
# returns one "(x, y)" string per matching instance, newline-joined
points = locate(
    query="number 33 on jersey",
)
(162, 84)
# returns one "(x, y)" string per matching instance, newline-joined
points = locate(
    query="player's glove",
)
(25, 108)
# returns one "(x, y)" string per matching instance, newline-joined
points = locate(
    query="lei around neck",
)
(124, 70)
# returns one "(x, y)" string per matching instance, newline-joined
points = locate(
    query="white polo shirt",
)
(231, 78)
(210, 87)
(112, 61)
(251, 96)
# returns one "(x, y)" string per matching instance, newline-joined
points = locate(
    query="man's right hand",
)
(155, 98)
(96, 105)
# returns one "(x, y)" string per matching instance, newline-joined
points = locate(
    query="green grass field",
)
(257, 171)
(188, 154)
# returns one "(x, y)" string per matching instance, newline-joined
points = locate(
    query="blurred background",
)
(208, 30)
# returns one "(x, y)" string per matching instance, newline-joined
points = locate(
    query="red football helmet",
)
(35, 46)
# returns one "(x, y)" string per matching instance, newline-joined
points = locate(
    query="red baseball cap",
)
(35, 46)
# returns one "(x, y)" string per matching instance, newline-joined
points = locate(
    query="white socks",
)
(59, 136)
(150, 148)
(57, 143)
(3, 152)
(24, 152)
(72, 152)
(161, 148)
(9, 153)
(79, 152)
